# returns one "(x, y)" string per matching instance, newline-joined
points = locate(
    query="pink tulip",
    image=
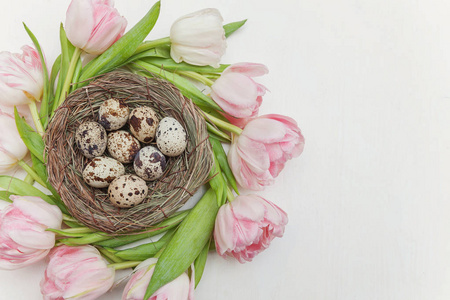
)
(198, 38)
(178, 289)
(258, 155)
(237, 93)
(21, 77)
(94, 25)
(246, 226)
(76, 273)
(12, 148)
(23, 239)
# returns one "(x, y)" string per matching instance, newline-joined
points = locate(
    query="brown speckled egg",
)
(127, 191)
(91, 139)
(100, 171)
(149, 163)
(123, 146)
(171, 137)
(113, 114)
(143, 123)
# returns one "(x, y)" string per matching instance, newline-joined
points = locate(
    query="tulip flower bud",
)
(23, 236)
(21, 77)
(76, 273)
(198, 38)
(258, 155)
(94, 25)
(180, 288)
(12, 148)
(237, 93)
(247, 226)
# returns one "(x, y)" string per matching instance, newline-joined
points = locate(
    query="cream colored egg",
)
(127, 191)
(123, 146)
(143, 123)
(101, 171)
(91, 139)
(171, 137)
(113, 114)
(149, 163)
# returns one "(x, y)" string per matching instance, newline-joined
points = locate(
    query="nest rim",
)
(183, 176)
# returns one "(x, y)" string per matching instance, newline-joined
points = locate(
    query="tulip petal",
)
(76, 273)
(248, 69)
(243, 92)
(254, 154)
(80, 22)
(265, 130)
(110, 27)
(12, 148)
(249, 229)
(196, 56)
(39, 211)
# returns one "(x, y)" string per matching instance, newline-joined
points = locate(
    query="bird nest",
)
(183, 175)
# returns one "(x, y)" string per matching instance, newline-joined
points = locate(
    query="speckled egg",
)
(101, 171)
(90, 138)
(113, 114)
(127, 191)
(123, 146)
(149, 163)
(143, 123)
(171, 137)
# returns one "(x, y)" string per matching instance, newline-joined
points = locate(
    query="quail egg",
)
(113, 114)
(100, 171)
(127, 191)
(90, 138)
(171, 137)
(143, 123)
(123, 146)
(149, 163)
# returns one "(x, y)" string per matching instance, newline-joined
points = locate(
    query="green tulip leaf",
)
(45, 95)
(187, 243)
(232, 27)
(19, 187)
(200, 263)
(31, 138)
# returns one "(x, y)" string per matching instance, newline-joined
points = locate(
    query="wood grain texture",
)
(369, 199)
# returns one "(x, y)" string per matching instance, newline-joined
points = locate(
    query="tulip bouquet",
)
(82, 261)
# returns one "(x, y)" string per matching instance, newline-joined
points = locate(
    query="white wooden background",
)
(368, 201)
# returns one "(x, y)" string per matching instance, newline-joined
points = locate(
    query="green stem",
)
(125, 265)
(71, 221)
(76, 75)
(158, 254)
(36, 118)
(147, 45)
(31, 172)
(217, 132)
(71, 232)
(69, 76)
(72, 224)
(86, 239)
(197, 76)
(109, 255)
(69, 218)
(157, 229)
(28, 179)
(230, 195)
(222, 124)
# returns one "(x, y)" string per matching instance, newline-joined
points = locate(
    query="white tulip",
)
(198, 38)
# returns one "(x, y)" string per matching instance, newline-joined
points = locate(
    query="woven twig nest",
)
(183, 176)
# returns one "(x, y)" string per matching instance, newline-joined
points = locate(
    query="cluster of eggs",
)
(149, 162)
